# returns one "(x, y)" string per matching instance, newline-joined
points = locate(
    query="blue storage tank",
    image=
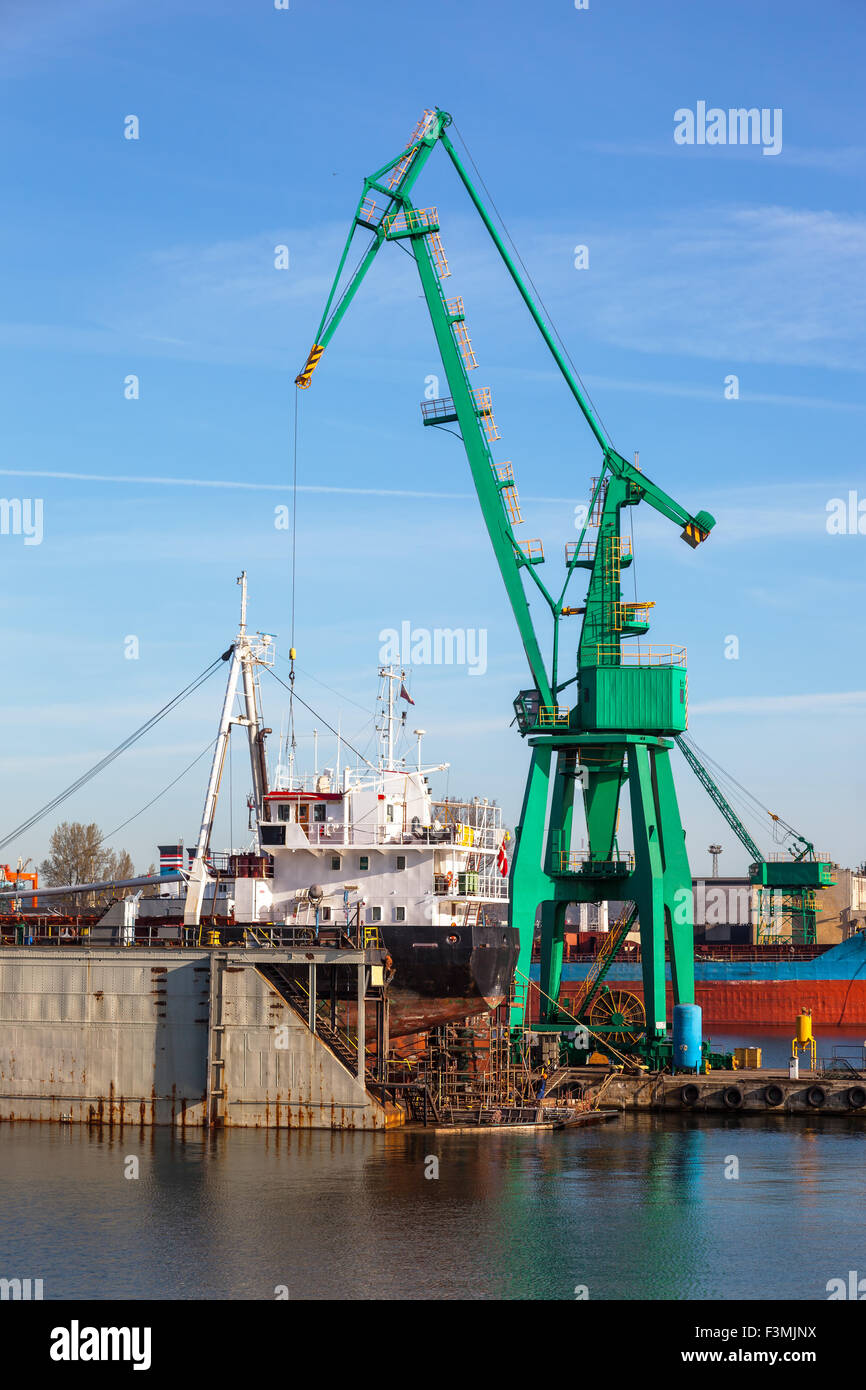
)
(687, 1037)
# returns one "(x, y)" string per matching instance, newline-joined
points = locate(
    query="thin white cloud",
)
(735, 523)
(715, 393)
(731, 284)
(843, 159)
(151, 481)
(835, 702)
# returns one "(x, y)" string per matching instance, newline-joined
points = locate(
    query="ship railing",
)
(479, 815)
(221, 932)
(493, 886)
(474, 885)
(484, 839)
(431, 835)
(334, 834)
(277, 934)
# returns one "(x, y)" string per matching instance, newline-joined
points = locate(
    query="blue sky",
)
(155, 258)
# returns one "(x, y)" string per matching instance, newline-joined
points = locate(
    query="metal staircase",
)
(604, 960)
(342, 1044)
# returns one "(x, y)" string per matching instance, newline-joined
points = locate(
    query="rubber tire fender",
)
(857, 1097)
(690, 1093)
(816, 1095)
(733, 1097)
(774, 1095)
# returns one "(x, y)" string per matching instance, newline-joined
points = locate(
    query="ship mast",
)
(255, 733)
(387, 676)
(245, 652)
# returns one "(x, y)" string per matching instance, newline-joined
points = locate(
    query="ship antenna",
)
(391, 679)
(387, 676)
(243, 583)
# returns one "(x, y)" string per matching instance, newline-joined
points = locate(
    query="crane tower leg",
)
(662, 883)
(553, 912)
(648, 882)
(529, 883)
(678, 898)
(552, 942)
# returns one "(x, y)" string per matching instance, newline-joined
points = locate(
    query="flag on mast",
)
(502, 861)
(404, 694)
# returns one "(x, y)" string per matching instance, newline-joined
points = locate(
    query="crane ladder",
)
(604, 960)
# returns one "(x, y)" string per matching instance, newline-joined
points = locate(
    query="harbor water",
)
(644, 1207)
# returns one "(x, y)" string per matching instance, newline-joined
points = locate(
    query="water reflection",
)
(646, 1207)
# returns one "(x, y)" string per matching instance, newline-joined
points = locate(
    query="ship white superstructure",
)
(378, 848)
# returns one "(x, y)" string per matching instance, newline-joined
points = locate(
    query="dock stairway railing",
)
(417, 1098)
(564, 1076)
(258, 936)
(839, 1067)
(343, 1045)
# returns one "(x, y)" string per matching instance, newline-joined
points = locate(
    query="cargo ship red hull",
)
(834, 1003)
(758, 991)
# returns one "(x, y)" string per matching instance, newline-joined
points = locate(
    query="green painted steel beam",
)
(481, 464)
(719, 799)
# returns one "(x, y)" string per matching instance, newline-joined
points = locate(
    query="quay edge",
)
(118, 1036)
(740, 1092)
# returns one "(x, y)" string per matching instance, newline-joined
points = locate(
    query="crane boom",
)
(396, 218)
(720, 800)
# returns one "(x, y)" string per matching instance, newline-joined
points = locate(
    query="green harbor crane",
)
(787, 903)
(628, 701)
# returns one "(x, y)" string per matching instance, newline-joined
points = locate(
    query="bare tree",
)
(76, 854)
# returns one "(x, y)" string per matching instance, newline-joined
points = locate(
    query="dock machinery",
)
(787, 884)
(626, 703)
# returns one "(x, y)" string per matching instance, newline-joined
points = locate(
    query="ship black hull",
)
(445, 973)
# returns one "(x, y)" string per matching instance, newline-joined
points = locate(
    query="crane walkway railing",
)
(582, 861)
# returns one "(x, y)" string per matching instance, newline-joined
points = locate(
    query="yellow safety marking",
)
(694, 534)
(303, 380)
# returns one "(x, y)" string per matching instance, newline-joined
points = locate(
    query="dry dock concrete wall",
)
(147, 1036)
